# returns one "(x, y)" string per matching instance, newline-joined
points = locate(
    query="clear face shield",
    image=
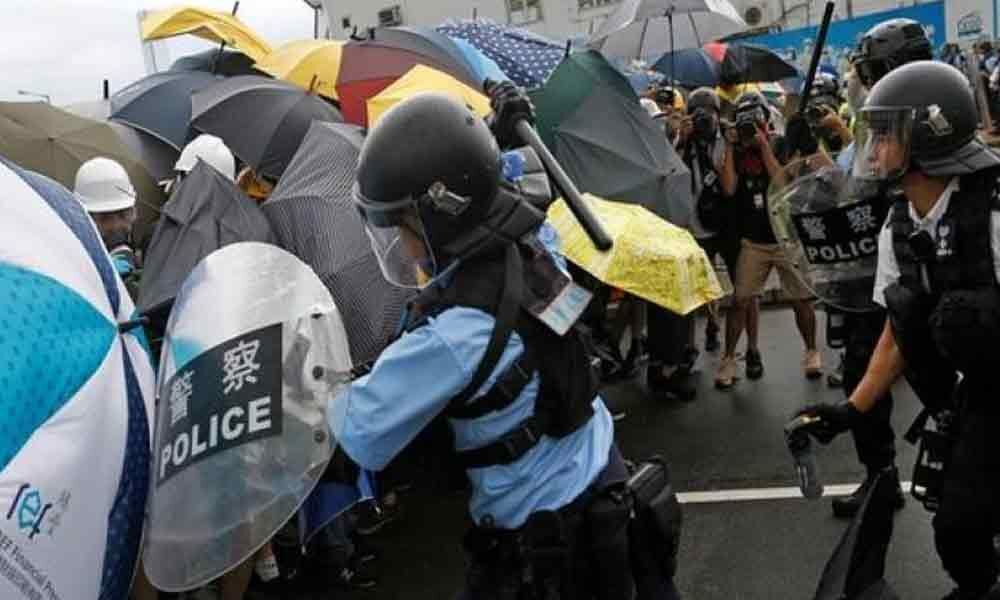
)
(882, 143)
(404, 252)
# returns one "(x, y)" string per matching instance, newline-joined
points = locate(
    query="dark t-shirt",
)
(751, 196)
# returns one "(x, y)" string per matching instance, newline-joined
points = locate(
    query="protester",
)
(444, 204)
(750, 166)
(105, 190)
(938, 272)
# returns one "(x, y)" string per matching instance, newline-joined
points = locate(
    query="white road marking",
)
(774, 493)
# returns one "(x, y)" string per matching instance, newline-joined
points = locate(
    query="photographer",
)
(752, 163)
(823, 118)
(703, 149)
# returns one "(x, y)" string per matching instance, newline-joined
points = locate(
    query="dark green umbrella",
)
(54, 142)
(590, 118)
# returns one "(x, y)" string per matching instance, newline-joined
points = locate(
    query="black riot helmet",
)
(429, 191)
(704, 97)
(889, 45)
(920, 115)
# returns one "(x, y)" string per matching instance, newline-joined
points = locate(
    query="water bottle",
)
(800, 446)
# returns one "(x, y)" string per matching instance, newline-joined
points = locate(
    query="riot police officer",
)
(884, 47)
(937, 276)
(535, 439)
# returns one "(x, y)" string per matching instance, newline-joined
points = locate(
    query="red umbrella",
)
(367, 68)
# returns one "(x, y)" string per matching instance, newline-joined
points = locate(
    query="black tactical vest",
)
(958, 263)
(568, 378)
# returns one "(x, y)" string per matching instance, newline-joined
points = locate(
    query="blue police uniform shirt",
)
(845, 159)
(416, 377)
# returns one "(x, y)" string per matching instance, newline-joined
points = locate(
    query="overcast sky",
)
(65, 48)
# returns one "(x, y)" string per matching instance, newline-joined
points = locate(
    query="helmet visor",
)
(403, 252)
(882, 143)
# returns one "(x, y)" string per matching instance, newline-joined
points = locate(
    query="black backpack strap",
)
(509, 448)
(506, 316)
(502, 394)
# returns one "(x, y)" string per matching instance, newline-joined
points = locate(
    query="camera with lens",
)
(746, 126)
(703, 123)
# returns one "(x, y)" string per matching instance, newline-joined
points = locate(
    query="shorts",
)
(754, 266)
(725, 246)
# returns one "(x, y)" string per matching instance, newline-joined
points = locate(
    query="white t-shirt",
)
(887, 271)
(718, 155)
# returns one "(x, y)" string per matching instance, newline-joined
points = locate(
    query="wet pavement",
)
(729, 440)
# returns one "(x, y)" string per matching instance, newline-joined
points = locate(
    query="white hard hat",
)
(211, 150)
(102, 185)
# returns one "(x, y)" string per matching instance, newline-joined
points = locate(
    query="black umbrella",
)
(154, 154)
(228, 63)
(160, 104)
(719, 63)
(590, 118)
(857, 567)
(314, 218)
(206, 211)
(262, 120)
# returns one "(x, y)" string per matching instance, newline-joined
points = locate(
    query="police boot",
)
(847, 506)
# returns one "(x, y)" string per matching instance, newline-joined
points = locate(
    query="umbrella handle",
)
(591, 224)
(824, 27)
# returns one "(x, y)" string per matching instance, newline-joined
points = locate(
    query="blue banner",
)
(796, 45)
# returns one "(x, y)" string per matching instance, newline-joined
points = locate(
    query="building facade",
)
(966, 20)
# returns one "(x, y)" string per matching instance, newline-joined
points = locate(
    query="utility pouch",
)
(546, 548)
(933, 454)
(655, 528)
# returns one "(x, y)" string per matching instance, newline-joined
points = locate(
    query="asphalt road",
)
(762, 549)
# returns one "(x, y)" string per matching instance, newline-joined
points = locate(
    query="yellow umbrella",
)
(425, 79)
(210, 25)
(651, 258)
(300, 61)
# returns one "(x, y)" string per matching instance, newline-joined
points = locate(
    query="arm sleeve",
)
(411, 383)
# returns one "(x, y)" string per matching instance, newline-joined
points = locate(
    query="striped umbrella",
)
(75, 395)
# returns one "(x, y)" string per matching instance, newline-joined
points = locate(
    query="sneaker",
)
(711, 337)
(691, 355)
(755, 366)
(847, 506)
(676, 385)
(727, 373)
(812, 364)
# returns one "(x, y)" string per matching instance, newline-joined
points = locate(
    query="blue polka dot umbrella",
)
(526, 58)
(75, 395)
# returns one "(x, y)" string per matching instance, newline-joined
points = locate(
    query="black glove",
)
(799, 137)
(834, 419)
(510, 104)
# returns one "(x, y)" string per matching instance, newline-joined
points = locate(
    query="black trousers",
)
(874, 438)
(598, 567)
(667, 335)
(969, 515)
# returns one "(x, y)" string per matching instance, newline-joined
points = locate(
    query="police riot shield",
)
(254, 351)
(828, 224)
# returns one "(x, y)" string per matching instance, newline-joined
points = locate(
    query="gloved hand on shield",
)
(831, 419)
(510, 104)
